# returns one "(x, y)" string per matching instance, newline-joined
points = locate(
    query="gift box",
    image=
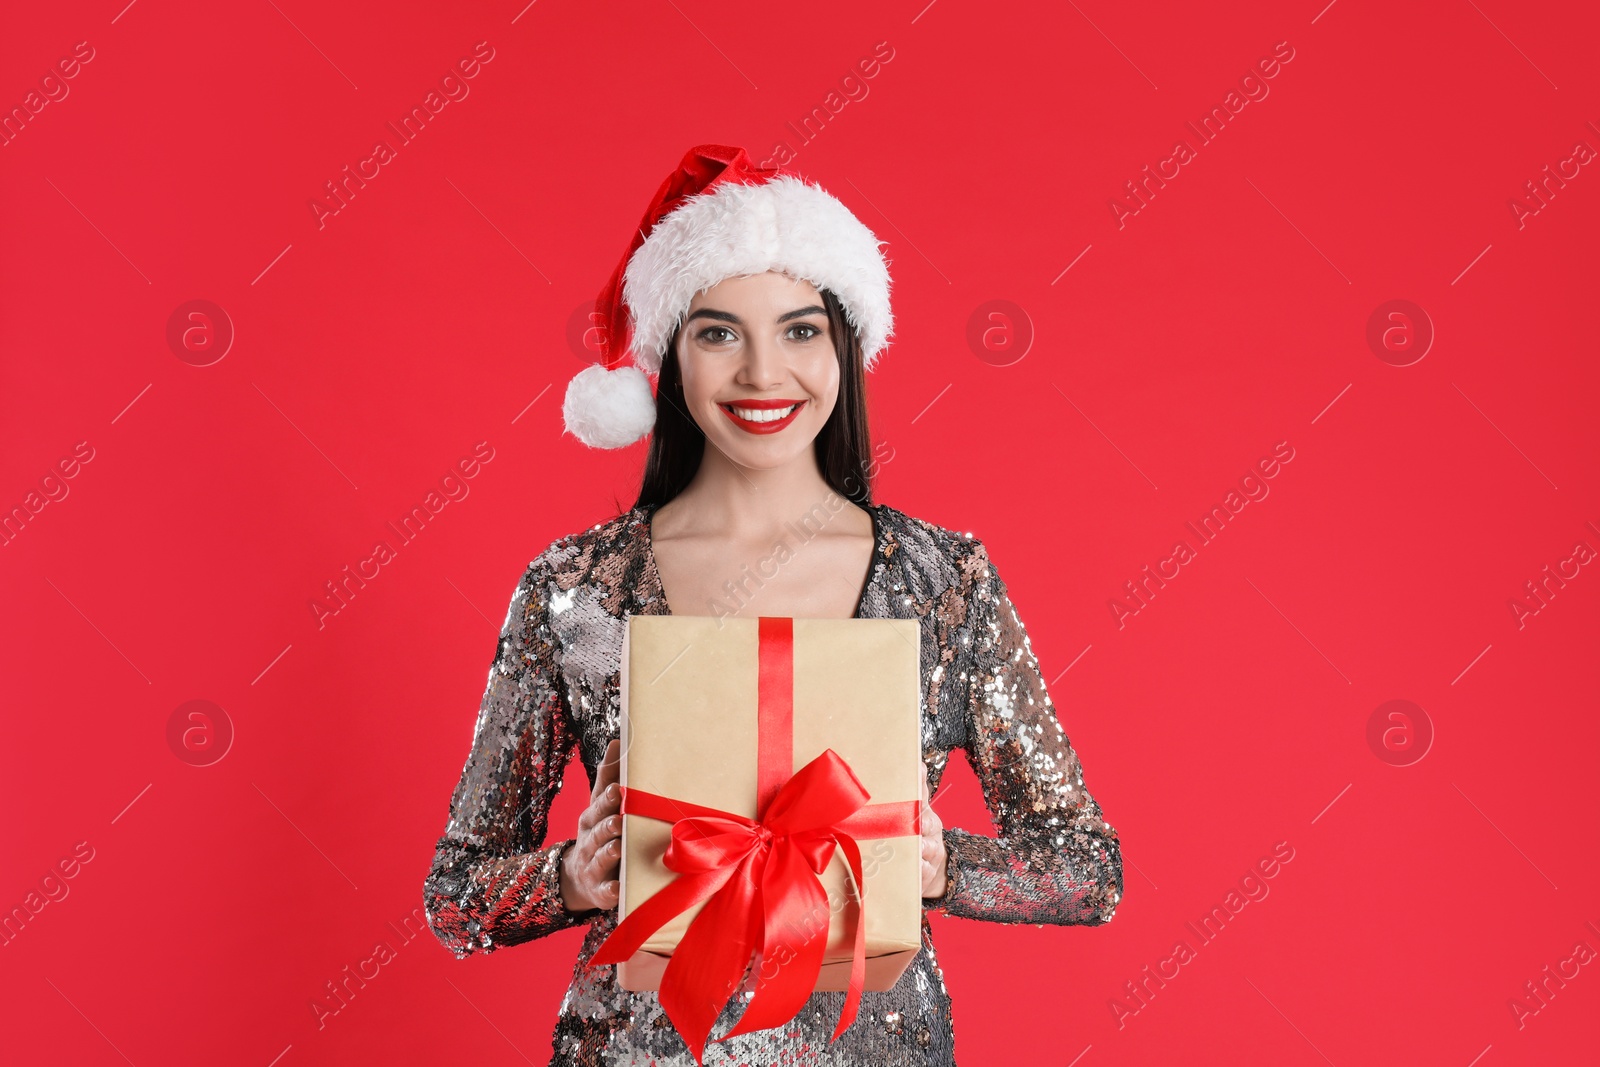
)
(739, 735)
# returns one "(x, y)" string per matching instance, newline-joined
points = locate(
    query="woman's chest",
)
(589, 665)
(822, 578)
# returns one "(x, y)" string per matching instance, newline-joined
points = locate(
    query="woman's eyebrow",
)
(727, 316)
(814, 309)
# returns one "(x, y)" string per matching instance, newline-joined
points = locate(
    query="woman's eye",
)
(807, 326)
(705, 334)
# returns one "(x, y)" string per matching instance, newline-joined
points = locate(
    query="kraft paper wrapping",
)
(689, 715)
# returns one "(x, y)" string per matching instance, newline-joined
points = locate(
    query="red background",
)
(1227, 315)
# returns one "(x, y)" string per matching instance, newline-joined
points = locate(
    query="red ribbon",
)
(759, 877)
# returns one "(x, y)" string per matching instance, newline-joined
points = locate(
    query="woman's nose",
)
(763, 364)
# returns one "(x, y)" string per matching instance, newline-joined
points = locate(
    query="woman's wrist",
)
(950, 874)
(571, 899)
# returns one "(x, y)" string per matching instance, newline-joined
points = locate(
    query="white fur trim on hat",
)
(784, 225)
(609, 408)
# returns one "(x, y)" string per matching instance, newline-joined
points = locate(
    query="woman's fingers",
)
(931, 825)
(607, 867)
(604, 849)
(608, 803)
(597, 855)
(610, 767)
(933, 865)
(933, 857)
(602, 807)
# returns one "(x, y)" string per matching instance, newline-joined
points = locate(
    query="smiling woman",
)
(759, 303)
(727, 343)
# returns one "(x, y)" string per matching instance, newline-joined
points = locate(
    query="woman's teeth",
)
(762, 415)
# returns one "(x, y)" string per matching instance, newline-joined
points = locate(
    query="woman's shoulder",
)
(603, 545)
(942, 556)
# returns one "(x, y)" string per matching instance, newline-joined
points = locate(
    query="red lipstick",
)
(772, 426)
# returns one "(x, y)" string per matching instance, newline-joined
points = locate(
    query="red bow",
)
(761, 881)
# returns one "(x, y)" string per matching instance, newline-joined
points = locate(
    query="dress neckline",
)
(651, 580)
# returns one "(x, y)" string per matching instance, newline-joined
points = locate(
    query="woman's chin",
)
(765, 451)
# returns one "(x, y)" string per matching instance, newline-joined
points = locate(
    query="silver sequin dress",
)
(553, 685)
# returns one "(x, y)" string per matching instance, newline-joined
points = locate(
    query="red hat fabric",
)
(702, 169)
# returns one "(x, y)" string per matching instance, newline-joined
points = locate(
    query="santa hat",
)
(718, 216)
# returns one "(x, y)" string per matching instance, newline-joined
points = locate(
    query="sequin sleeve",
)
(494, 882)
(1056, 860)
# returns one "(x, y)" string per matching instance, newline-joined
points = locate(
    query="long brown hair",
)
(843, 445)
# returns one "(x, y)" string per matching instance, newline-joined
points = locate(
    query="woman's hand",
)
(589, 867)
(933, 851)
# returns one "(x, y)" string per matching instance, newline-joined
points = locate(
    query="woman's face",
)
(759, 370)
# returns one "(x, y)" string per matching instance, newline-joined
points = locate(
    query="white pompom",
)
(609, 408)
